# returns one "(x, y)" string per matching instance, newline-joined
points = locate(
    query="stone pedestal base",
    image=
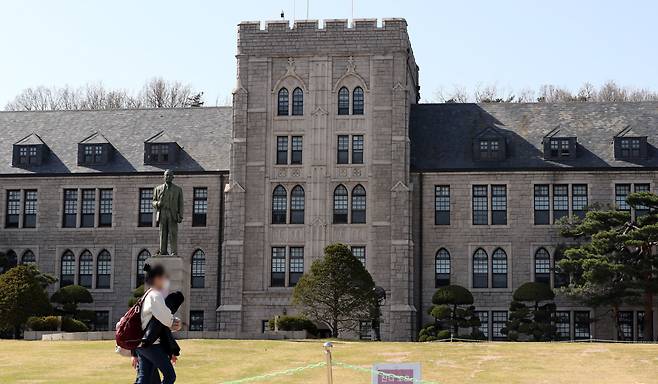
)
(179, 275)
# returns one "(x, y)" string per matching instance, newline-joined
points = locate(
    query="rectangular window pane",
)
(101, 321)
(498, 320)
(297, 147)
(442, 205)
(105, 208)
(296, 265)
(480, 205)
(484, 323)
(581, 325)
(641, 209)
(30, 209)
(621, 193)
(199, 207)
(282, 150)
(13, 208)
(70, 208)
(343, 149)
(560, 201)
(145, 207)
(640, 325)
(498, 205)
(278, 267)
(579, 199)
(196, 321)
(563, 324)
(625, 321)
(360, 253)
(541, 204)
(88, 207)
(357, 149)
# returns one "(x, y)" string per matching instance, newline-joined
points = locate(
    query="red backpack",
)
(129, 332)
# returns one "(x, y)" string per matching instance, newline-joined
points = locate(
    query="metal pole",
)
(327, 352)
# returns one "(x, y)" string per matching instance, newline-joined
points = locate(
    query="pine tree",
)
(615, 261)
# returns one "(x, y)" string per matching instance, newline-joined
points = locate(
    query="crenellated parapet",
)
(312, 36)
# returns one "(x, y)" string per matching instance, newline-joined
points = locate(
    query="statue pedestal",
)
(179, 275)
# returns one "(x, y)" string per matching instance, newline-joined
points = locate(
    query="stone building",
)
(77, 191)
(325, 142)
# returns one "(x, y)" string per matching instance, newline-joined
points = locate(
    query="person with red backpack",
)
(153, 349)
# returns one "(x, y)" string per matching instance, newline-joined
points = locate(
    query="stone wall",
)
(124, 240)
(319, 61)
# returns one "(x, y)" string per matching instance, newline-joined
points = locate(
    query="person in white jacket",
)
(154, 357)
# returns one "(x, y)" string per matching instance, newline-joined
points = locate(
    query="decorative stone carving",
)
(295, 172)
(356, 172)
(282, 172)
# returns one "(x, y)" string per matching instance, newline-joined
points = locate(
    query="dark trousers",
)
(153, 359)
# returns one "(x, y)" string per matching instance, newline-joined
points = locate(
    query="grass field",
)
(216, 361)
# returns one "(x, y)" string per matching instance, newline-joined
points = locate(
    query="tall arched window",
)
(357, 101)
(297, 102)
(442, 268)
(561, 279)
(282, 102)
(103, 270)
(297, 205)
(141, 260)
(542, 266)
(28, 258)
(499, 269)
(198, 269)
(279, 205)
(12, 260)
(480, 269)
(86, 269)
(340, 205)
(358, 205)
(67, 269)
(343, 101)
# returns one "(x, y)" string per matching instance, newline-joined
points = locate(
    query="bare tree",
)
(156, 93)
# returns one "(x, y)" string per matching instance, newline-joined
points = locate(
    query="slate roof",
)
(442, 134)
(203, 133)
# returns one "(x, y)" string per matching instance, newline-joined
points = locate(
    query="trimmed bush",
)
(73, 325)
(294, 323)
(453, 295)
(44, 323)
(534, 292)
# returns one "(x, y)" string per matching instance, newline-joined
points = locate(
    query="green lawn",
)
(216, 361)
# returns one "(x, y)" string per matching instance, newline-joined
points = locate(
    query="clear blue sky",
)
(514, 44)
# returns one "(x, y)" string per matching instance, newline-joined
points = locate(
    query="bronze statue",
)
(168, 203)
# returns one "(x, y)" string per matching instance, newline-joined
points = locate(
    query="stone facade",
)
(124, 239)
(520, 238)
(319, 62)
(326, 143)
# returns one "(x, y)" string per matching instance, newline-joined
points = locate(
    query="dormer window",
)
(489, 145)
(630, 148)
(160, 150)
(29, 151)
(94, 150)
(27, 155)
(489, 149)
(560, 148)
(93, 153)
(158, 154)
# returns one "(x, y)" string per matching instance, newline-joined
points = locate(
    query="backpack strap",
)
(139, 302)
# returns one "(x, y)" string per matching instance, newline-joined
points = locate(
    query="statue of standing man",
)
(168, 203)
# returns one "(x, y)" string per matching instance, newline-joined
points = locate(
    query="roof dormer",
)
(559, 145)
(629, 145)
(489, 145)
(160, 149)
(95, 150)
(29, 151)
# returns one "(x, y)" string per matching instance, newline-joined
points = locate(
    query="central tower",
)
(320, 154)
